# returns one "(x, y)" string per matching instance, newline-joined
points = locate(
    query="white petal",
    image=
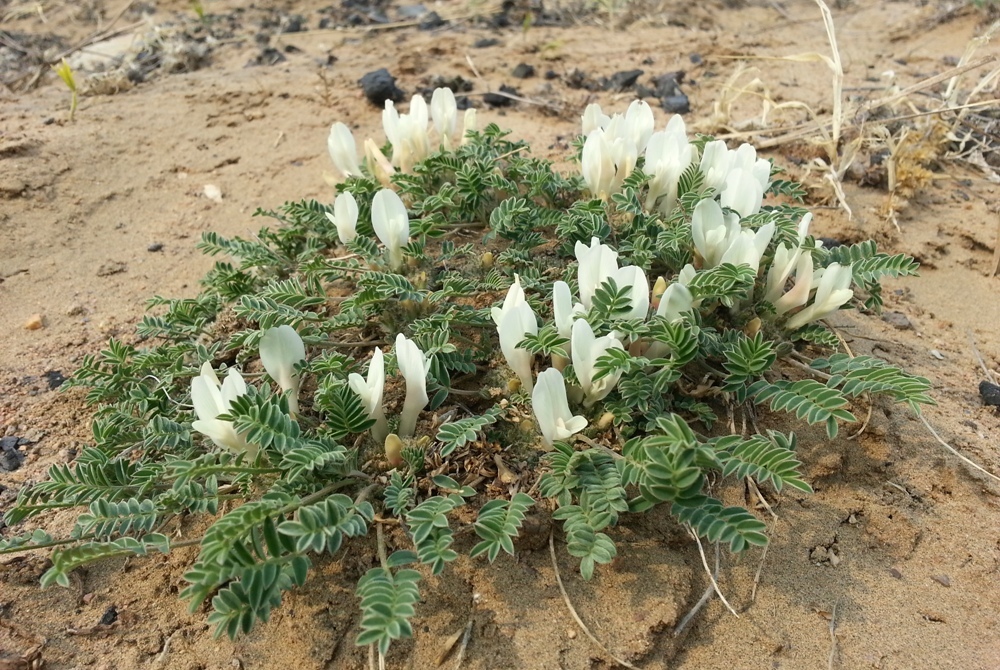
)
(281, 349)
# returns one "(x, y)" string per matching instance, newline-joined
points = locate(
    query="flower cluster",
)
(389, 220)
(408, 133)
(281, 351)
(614, 145)
(415, 367)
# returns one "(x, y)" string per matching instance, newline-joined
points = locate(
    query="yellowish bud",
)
(394, 450)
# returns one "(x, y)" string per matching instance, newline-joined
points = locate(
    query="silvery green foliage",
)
(737, 285)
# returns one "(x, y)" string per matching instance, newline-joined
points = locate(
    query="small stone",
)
(54, 378)
(676, 104)
(485, 42)
(937, 354)
(31, 436)
(10, 458)
(431, 21)
(379, 86)
(571, 634)
(497, 100)
(895, 573)
(620, 81)
(943, 580)
(523, 71)
(295, 24)
(990, 393)
(834, 558)
(110, 616)
(87, 597)
(818, 554)
(897, 320)
(154, 247)
(76, 310)
(212, 192)
(34, 322)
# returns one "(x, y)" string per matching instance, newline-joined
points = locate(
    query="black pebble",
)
(485, 42)
(497, 100)
(523, 71)
(990, 394)
(10, 457)
(154, 247)
(667, 87)
(110, 616)
(54, 378)
(380, 86)
(620, 81)
(676, 104)
(431, 21)
(296, 24)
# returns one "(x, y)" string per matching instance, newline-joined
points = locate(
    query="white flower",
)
(633, 276)
(414, 367)
(407, 133)
(587, 348)
(469, 123)
(370, 391)
(514, 297)
(799, 293)
(281, 349)
(712, 231)
(715, 163)
(676, 300)
(548, 400)
(719, 238)
(596, 263)
(345, 217)
(517, 322)
(785, 260)
(742, 193)
(444, 112)
(378, 164)
(668, 155)
(391, 224)
(606, 161)
(747, 247)
(562, 308)
(211, 398)
(343, 150)
(593, 118)
(832, 291)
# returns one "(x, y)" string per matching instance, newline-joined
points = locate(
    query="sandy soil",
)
(893, 563)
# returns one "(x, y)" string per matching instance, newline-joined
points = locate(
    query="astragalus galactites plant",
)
(671, 280)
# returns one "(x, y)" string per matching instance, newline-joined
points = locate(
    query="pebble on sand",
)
(34, 322)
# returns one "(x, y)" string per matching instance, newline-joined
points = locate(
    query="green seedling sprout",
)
(65, 73)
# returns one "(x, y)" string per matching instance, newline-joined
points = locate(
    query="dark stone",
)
(326, 22)
(523, 71)
(296, 24)
(484, 42)
(990, 393)
(551, 74)
(10, 457)
(695, 59)
(830, 243)
(621, 81)
(667, 87)
(268, 56)
(676, 104)
(497, 100)
(379, 86)
(110, 616)
(154, 247)
(431, 21)
(54, 378)
(897, 320)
